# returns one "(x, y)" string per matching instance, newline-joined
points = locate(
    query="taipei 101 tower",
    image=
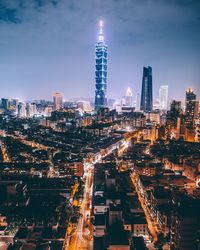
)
(101, 70)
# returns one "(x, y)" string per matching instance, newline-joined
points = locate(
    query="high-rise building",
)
(137, 102)
(84, 106)
(57, 101)
(5, 103)
(128, 98)
(147, 93)
(101, 70)
(31, 109)
(21, 109)
(175, 120)
(191, 108)
(163, 97)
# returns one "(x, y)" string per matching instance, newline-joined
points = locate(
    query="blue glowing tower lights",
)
(101, 70)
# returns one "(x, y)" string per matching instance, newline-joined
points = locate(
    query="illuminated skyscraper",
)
(147, 96)
(128, 98)
(191, 108)
(101, 70)
(57, 101)
(163, 97)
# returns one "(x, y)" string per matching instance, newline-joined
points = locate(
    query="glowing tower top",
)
(101, 36)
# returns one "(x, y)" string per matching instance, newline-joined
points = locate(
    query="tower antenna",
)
(101, 36)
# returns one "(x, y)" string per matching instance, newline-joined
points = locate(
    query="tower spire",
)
(101, 36)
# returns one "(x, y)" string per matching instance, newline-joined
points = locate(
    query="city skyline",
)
(99, 124)
(40, 49)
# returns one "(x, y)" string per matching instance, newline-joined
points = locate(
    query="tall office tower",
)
(163, 97)
(101, 71)
(57, 101)
(128, 98)
(147, 94)
(191, 108)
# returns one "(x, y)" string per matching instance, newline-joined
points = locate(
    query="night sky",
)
(48, 46)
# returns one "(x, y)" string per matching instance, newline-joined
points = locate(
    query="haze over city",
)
(48, 46)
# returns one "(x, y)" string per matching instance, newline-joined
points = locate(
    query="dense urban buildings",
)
(119, 179)
(147, 92)
(101, 174)
(101, 70)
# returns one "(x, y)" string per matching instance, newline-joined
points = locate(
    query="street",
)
(151, 224)
(82, 238)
